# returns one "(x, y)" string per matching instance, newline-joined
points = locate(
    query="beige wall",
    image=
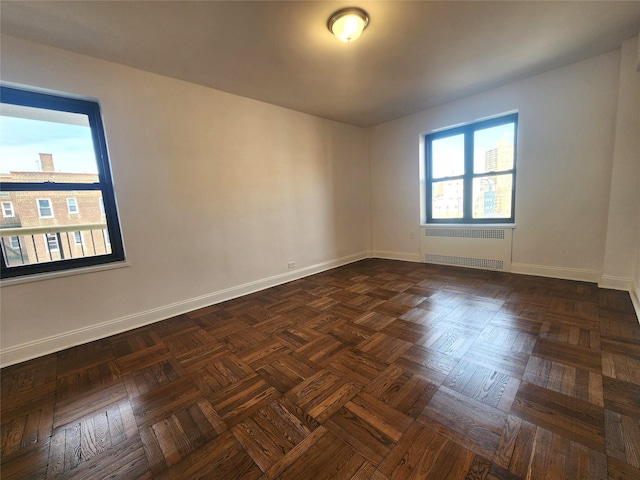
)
(229, 189)
(565, 147)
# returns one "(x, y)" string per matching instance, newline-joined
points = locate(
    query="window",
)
(471, 172)
(7, 209)
(51, 240)
(14, 242)
(44, 208)
(72, 205)
(53, 151)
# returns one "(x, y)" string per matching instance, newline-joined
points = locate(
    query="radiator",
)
(488, 248)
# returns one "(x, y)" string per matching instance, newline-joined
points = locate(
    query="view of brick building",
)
(493, 194)
(43, 226)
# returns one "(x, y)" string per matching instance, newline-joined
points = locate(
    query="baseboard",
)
(408, 257)
(564, 273)
(635, 299)
(55, 343)
(615, 283)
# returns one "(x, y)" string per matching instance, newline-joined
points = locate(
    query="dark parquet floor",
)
(377, 370)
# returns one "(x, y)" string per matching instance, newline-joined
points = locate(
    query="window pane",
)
(446, 199)
(44, 208)
(492, 196)
(39, 145)
(447, 156)
(54, 171)
(72, 205)
(7, 209)
(28, 238)
(493, 148)
(52, 242)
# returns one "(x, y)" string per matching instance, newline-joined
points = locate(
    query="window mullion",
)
(468, 174)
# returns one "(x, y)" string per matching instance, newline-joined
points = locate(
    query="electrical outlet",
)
(291, 264)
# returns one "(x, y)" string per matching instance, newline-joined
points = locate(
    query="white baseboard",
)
(615, 283)
(408, 257)
(635, 299)
(564, 273)
(37, 348)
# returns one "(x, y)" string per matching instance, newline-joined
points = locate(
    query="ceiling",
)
(414, 55)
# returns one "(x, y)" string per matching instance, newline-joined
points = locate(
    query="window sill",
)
(6, 282)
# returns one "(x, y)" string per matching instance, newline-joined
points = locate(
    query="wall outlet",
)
(291, 264)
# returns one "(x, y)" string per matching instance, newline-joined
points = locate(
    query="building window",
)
(51, 240)
(14, 242)
(471, 171)
(72, 205)
(44, 208)
(7, 209)
(55, 146)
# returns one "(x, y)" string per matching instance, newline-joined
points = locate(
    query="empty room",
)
(320, 240)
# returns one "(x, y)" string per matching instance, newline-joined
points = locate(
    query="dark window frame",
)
(30, 98)
(468, 175)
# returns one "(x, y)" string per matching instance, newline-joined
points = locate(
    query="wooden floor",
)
(377, 370)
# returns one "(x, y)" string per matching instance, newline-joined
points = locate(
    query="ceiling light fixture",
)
(347, 24)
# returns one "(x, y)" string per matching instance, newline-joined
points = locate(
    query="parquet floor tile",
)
(377, 370)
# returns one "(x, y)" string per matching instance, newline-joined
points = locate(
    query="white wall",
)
(565, 147)
(635, 289)
(216, 193)
(624, 201)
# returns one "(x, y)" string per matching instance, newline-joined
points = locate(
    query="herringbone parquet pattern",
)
(377, 370)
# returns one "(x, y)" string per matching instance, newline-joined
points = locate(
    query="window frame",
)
(77, 235)
(4, 211)
(73, 202)
(30, 98)
(468, 175)
(50, 207)
(48, 237)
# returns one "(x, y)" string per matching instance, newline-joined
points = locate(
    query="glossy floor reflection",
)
(380, 369)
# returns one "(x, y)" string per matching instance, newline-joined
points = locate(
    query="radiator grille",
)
(497, 233)
(465, 261)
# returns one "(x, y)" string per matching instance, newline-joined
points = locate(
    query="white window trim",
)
(75, 239)
(11, 242)
(38, 277)
(4, 212)
(40, 211)
(75, 204)
(46, 242)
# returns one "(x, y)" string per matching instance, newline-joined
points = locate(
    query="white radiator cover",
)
(487, 247)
